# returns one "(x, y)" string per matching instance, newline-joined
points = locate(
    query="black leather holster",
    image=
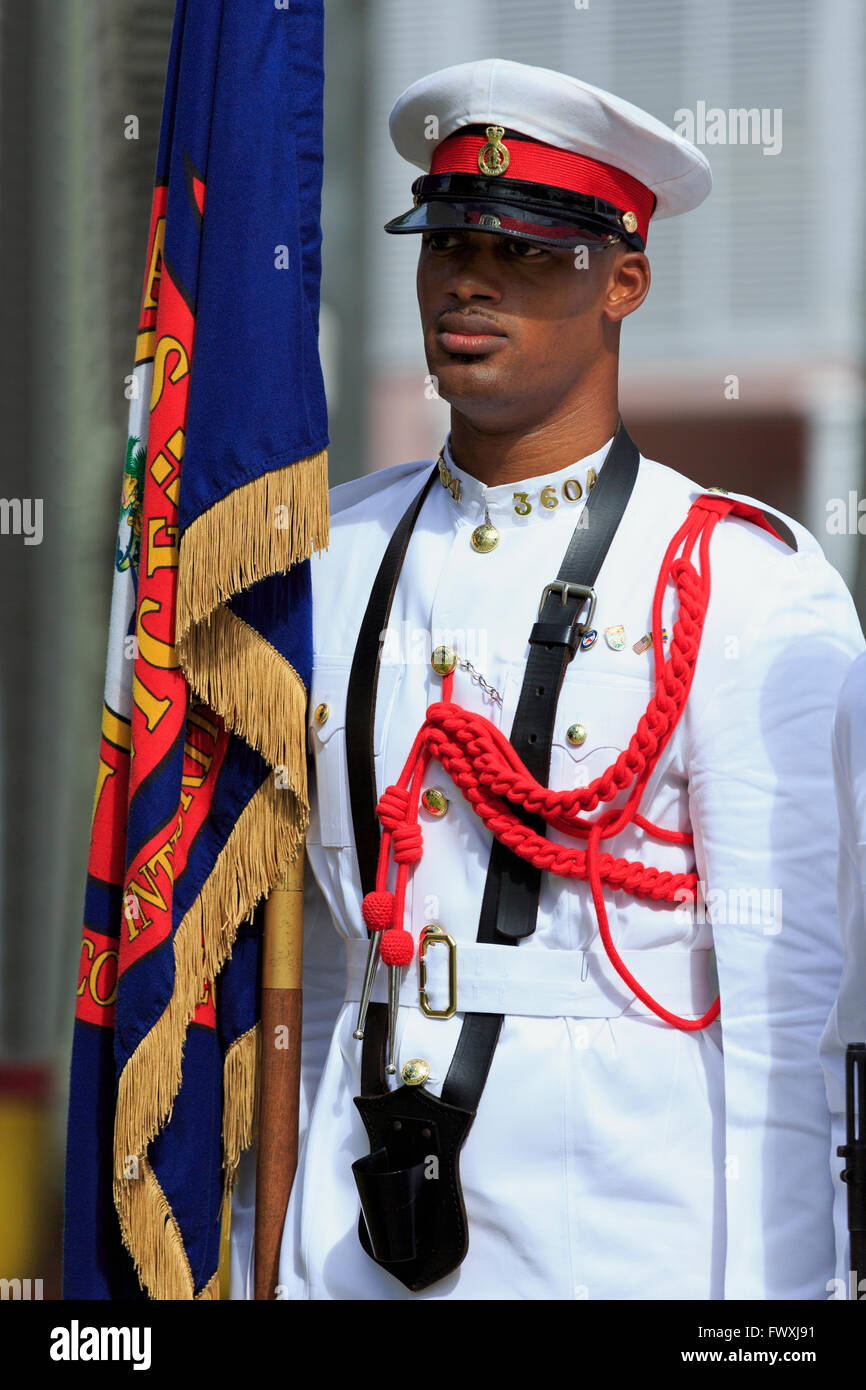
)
(413, 1220)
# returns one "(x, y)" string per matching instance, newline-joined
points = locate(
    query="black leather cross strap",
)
(361, 694)
(509, 907)
(553, 641)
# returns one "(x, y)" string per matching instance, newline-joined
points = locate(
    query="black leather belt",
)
(510, 903)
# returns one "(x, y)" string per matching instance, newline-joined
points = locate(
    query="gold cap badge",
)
(494, 157)
(629, 221)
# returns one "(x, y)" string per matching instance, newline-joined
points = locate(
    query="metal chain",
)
(485, 685)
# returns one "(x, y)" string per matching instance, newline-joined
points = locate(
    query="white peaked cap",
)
(558, 110)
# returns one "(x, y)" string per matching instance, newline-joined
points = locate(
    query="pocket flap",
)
(607, 712)
(326, 708)
(328, 697)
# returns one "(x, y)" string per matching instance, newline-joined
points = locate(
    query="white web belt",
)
(547, 983)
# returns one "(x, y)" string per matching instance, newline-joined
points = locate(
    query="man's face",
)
(511, 328)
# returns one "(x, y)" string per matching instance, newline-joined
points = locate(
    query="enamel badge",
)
(644, 643)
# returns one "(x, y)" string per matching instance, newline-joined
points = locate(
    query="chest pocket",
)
(599, 712)
(330, 809)
(595, 720)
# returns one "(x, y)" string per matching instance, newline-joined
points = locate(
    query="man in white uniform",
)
(616, 1152)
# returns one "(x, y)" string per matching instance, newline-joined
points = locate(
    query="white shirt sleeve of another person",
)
(847, 1021)
(780, 635)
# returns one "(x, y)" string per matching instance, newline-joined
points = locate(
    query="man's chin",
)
(469, 378)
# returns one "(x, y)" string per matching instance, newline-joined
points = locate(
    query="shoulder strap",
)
(509, 907)
(361, 695)
(553, 642)
(732, 506)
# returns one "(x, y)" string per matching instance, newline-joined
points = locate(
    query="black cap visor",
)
(512, 208)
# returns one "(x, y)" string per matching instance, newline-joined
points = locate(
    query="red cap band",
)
(535, 162)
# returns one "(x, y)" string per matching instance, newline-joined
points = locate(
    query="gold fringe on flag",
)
(257, 530)
(153, 1236)
(248, 688)
(260, 529)
(240, 1101)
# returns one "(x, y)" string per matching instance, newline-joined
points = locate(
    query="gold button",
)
(485, 538)
(443, 660)
(415, 1071)
(591, 478)
(576, 734)
(434, 800)
(629, 221)
(321, 713)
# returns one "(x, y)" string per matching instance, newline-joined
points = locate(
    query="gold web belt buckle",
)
(433, 933)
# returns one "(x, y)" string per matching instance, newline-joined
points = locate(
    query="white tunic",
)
(613, 1156)
(847, 1021)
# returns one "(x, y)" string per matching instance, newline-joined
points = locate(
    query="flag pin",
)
(645, 642)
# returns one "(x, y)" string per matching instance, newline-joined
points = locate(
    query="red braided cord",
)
(480, 759)
(487, 769)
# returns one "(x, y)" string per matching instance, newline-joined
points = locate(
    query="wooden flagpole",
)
(280, 1071)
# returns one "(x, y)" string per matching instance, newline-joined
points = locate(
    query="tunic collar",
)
(562, 492)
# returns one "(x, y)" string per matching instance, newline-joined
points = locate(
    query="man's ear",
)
(628, 285)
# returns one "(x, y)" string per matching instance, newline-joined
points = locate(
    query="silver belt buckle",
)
(565, 591)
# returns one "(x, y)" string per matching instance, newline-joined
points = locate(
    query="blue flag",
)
(201, 794)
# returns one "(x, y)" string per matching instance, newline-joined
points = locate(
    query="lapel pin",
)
(645, 642)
